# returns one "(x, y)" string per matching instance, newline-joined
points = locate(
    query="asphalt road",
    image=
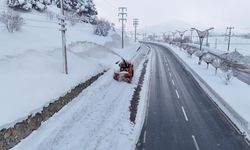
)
(180, 115)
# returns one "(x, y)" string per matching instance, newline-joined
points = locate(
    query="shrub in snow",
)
(40, 5)
(191, 51)
(208, 59)
(200, 54)
(216, 63)
(228, 76)
(93, 19)
(12, 20)
(84, 8)
(102, 27)
(20, 4)
(225, 65)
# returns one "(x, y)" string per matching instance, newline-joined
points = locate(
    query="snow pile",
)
(237, 99)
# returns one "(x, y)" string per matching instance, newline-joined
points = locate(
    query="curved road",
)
(180, 115)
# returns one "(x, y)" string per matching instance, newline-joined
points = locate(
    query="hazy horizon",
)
(197, 13)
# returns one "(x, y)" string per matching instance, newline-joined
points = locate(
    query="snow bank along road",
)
(180, 115)
(98, 119)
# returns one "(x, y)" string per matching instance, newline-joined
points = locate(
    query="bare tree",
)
(102, 28)
(12, 20)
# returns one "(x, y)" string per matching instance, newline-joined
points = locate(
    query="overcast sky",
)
(198, 13)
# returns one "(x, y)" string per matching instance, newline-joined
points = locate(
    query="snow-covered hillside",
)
(31, 63)
(97, 119)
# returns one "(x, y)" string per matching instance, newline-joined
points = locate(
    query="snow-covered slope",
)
(97, 119)
(31, 63)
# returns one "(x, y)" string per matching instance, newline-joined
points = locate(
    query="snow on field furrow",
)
(242, 45)
(97, 119)
(79, 123)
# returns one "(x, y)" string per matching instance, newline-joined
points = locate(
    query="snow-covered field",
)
(31, 63)
(97, 119)
(242, 45)
(236, 94)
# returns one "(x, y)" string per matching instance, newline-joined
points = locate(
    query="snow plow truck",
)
(125, 73)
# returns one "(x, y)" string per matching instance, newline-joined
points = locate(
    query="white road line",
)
(185, 115)
(195, 143)
(173, 83)
(144, 136)
(146, 120)
(177, 94)
(170, 74)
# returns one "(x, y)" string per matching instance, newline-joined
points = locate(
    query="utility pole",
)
(135, 24)
(63, 30)
(229, 37)
(122, 14)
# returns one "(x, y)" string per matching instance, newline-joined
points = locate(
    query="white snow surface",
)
(236, 93)
(31, 63)
(97, 119)
(242, 45)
